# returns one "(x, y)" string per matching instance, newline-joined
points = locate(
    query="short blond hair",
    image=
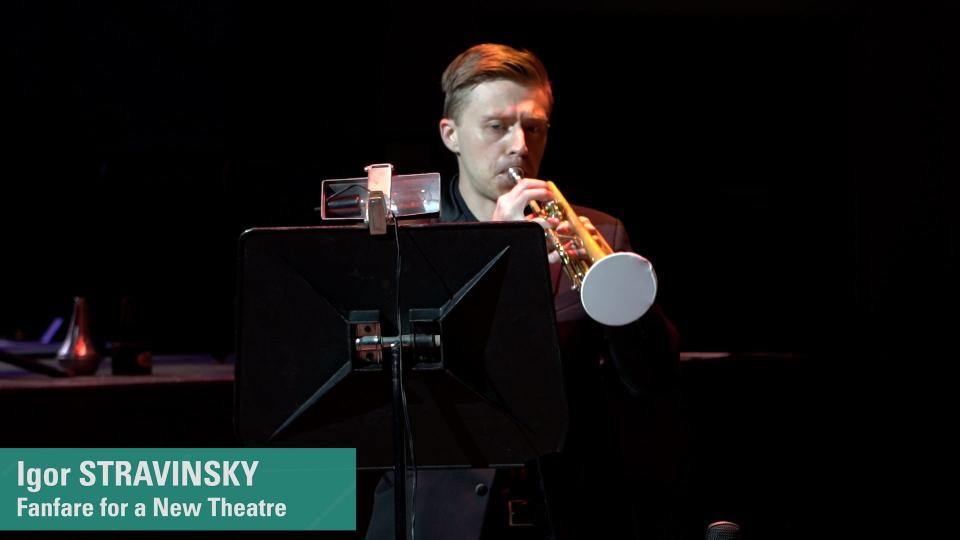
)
(490, 62)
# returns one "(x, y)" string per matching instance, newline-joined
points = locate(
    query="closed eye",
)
(536, 128)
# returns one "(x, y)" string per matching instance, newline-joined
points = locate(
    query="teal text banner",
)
(138, 489)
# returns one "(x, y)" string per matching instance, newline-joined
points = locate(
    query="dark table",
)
(186, 402)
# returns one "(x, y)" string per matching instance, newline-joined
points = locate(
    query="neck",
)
(481, 207)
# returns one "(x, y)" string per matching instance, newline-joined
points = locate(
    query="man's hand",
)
(510, 205)
(571, 244)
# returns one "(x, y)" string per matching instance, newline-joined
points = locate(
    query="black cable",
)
(402, 484)
(341, 191)
(403, 395)
(348, 187)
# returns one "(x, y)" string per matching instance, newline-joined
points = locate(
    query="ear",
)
(448, 133)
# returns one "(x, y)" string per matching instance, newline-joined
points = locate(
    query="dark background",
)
(790, 169)
(786, 169)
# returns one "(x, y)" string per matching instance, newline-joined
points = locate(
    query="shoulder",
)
(596, 216)
(450, 209)
(609, 227)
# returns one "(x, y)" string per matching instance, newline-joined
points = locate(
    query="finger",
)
(546, 222)
(507, 210)
(533, 194)
(565, 228)
(551, 247)
(588, 224)
(531, 183)
(542, 187)
(519, 199)
(510, 205)
(576, 253)
(543, 222)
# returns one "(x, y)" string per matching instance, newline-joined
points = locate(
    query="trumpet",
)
(616, 288)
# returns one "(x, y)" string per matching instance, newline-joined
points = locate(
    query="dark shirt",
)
(645, 354)
(607, 481)
(619, 385)
(452, 207)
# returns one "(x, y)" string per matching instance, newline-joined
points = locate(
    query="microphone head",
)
(723, 530)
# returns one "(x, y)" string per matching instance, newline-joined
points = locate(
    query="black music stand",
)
(481, 361)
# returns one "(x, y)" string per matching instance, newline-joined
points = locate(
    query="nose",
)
(518, 141)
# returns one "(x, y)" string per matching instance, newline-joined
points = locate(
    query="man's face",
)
(502, 124)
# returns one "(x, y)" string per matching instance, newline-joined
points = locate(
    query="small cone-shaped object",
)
(78, 354)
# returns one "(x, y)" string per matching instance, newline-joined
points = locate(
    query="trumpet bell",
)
(619, 288)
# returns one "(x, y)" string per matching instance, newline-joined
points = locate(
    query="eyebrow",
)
(536, 118)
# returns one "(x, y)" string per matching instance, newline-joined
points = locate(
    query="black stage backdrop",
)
(784, 168)
(790, 170)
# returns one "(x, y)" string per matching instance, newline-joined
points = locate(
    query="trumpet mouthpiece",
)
(515, 173)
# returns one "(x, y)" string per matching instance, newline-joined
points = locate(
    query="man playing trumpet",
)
(496, 117)
(495, 120)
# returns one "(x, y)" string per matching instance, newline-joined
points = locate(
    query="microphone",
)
(723, 530)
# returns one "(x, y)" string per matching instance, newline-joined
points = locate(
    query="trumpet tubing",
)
(576, 269)
(615, 288)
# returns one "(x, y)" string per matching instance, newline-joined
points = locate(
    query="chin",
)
(503, 183)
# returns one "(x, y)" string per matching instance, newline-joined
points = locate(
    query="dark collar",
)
(452, 207)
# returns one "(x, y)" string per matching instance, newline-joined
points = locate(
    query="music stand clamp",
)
(380, 197)
(378, 186)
